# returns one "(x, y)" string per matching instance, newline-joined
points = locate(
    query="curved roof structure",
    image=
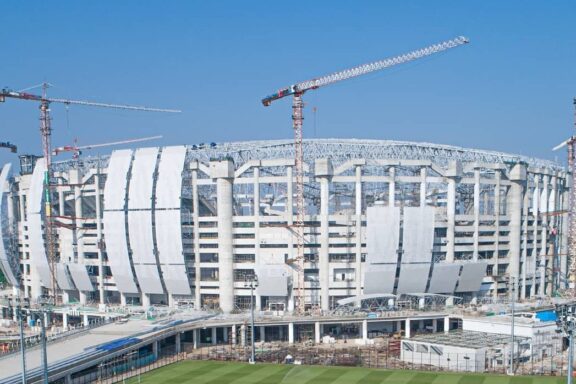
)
(341, 150)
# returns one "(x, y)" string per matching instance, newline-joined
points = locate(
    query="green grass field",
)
(210, 372)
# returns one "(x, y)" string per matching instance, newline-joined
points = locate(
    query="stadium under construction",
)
(194, 224)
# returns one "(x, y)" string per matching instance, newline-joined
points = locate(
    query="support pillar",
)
(225, 335)
(290, 221)
(101, 277)
(317, 332)
(214, 336)
(358, 211)
(497, 214)
(146, 300)
(434, 325)
(262, 333)
(196, 219)
(65, 321)
(155, 349)
(234, 336)
(544, 290)
(324, 171)
(447, 324)
(196, 337)
(243, 335)
(223, 172)
(85, 320)
(453, 173)
(291, 333)
(476, 214)
(535, 255)
(517, 178)
(407, 330)
(364, 330)
(178, 342)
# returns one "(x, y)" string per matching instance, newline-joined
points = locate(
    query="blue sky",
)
(510, 89)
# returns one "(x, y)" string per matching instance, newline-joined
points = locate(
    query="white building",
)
(193, 224)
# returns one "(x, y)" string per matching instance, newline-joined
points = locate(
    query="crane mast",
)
(46, 134)
(296, 91)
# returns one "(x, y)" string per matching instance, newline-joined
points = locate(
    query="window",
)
(311, 274)
(209, 274)
(208, 235)
(243, 275)
(344, 274)
(244, 258)
(208, 257)
(243, 235)
(342, 257)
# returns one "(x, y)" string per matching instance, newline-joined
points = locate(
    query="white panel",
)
(81, 277)
(444, 278)
(471, 277)
(418, 232)
(176, 279)
(169, 184)
(142, 179)
(117, 250)
(141, 241)
(535, 200)
(552, 201)
(413, 278)
(34, 197)
(63, 277)
(168, 237)
(5, 256)
(543, 199)
(37, 250)
(148, 278)
(382, 234)
(379, 279)
(272, 280)
(116, 179)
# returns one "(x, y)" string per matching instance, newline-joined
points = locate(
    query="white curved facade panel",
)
(5, 257)
(413, 278)
(81, 277)
(383, 235)
(379, 279)
(63, 277)
(38, 256)
(141, 241)
(168, 239)
(169, 185)
(444, 278)
(115, 189)
(117, 251)
(142, 179)
(176, 279)
(471, 277)
(418, 237)
(148, 278)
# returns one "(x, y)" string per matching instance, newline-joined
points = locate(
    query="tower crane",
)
(6, 144)
(46, 133)
(571, 145)
(78, 149)
(296, 91)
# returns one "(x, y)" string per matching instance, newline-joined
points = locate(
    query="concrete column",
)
(99, 244)
(565, 195)
(290, 220)
(65, 321)
(398, 325)
(544, 235)
(262, 333)
(323, 264)
(155, 349)
(196, 220)
(223, 172)
(291, 333)
(76, 178)
(85, 321)
(497, 214)
(364, 330)
(145, 300)
(225, 335)
(317, 332)
(447, 324)
(358, 211)
(517, 178)
(407, 330)
(435, 325)
(423, 186)
(535, 254)
(243, 335)
(196, 337)
(554, 221)
(234, 337)
(476, 214)
(392, 187)
(123, 301)
(453, 172)
(524, 253)
(256, 203)
(178, 342)
(214, 336)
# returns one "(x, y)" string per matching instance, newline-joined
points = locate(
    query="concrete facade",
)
(233, 218)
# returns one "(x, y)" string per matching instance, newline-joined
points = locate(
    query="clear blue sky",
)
(510, 89)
